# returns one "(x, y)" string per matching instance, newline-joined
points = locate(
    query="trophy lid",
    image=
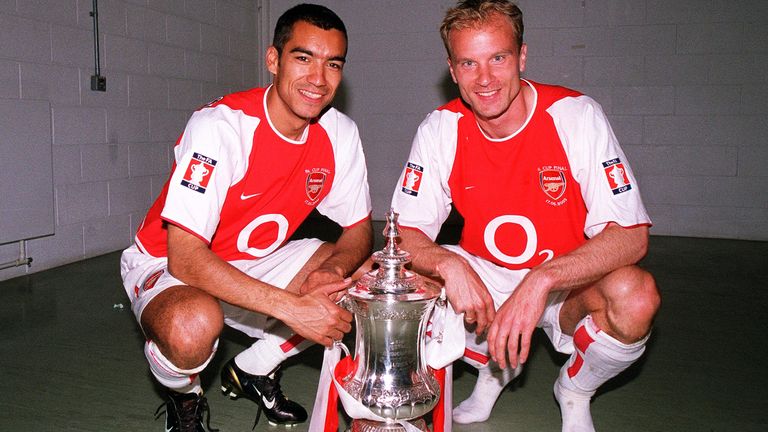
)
(391, 276)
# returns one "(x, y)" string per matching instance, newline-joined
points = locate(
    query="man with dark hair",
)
(214, 250)
(316, 15)
(553, 220)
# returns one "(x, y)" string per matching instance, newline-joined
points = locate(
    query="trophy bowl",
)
(392, 307)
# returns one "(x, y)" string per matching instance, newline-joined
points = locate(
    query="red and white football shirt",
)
(526, 198)
(243, 188)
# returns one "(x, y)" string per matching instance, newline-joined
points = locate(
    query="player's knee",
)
(633, 301)
(192, 331)
(202, 319)
(651, 297)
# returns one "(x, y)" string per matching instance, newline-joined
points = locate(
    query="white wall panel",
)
(26, 177)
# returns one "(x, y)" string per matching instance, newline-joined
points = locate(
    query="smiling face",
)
(486, 63)
(306, 76)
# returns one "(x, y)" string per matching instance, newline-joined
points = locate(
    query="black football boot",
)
(265, 391)
(184, 413)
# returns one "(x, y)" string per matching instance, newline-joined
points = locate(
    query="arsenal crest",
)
(314, 185)
(552, 182)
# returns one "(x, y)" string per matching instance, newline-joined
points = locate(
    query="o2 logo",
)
(245, 235)
(489, 236)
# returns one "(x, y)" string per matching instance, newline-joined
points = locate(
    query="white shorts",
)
(501, 282)
(145, 276)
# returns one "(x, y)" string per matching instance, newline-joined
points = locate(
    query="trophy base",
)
(362, 425)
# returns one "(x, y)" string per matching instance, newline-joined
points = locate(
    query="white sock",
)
(491, 380)
(598, 358)
(171, 376)
(266, 354)
(574, 407)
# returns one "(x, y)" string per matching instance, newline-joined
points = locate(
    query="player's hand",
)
(515, 322)
(316, 317)
(321, 276)
(467, 293)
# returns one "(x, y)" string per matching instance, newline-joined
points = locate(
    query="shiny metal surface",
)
(391, 376)
(391, 307)
(372, 426)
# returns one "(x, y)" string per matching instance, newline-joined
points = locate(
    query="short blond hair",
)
(472, 13)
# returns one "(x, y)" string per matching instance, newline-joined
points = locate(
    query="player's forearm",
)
(613, 248)
(351, 249)
(192, 262)
(427, 257)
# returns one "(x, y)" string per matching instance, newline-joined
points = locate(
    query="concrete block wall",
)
(111, 150)
(683, 82)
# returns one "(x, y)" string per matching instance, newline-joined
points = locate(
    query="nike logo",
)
(244, 197)
(468, 187)
(268, 404)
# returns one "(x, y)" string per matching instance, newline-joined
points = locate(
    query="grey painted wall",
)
(683, 82)
(161, 58)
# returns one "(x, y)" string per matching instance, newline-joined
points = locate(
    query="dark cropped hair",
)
(473, 13)
(317, 15)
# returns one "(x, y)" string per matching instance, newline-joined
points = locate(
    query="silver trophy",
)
(391, 306)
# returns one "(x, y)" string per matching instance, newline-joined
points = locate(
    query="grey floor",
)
(71, 355)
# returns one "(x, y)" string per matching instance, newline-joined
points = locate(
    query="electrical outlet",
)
(98, 83)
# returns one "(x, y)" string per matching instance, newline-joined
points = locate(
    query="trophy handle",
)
(346, 303)
(339, 344)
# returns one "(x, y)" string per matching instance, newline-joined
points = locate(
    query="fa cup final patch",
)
(617, 176)
(199, 172)
(412, 179)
